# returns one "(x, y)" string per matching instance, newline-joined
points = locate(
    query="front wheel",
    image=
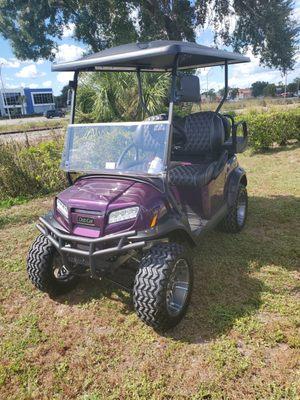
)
(163, 286)
(236, 217)
(46, 270)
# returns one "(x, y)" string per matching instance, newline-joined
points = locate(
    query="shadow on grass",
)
(224, 286)
(275, 150)
(118, 288)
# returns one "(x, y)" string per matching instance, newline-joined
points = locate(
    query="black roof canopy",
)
(158, 55)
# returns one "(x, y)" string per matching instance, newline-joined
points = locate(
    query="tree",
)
(258, 88)
(106, 97)
(267, 27)
(61, 100)
(269, 90)
(211, 95)
(221, 92)
(294, 86)
(234, 93)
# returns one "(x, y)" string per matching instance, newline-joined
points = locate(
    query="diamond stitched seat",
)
(205, 136)
(192, 175)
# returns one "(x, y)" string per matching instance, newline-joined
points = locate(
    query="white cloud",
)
(296, 13)
(212, 84)
(68, 30)
(15, 63)
(243, 75)
(204, 71)
(30, 71)
(33, 85)
(47, 84)
(12, 86)
(10, 63)
(65, 77)
(68, 52)
(134, 16)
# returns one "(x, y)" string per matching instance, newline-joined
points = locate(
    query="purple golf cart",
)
(141, 193)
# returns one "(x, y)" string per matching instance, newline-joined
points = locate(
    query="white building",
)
(22, 101)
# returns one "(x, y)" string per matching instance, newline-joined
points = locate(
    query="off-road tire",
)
(230, 223)
(40, 268)
(151, 283)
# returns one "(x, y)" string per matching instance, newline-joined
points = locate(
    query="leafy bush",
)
(269, 128)
(29, 171)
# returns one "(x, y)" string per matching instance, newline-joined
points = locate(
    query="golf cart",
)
(140, 193)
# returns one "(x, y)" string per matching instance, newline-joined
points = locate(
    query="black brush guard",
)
(92, 257)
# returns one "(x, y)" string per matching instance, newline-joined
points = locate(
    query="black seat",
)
(203, 150)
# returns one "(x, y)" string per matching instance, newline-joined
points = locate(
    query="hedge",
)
(30, 171)
(35, 170)
(270, 128)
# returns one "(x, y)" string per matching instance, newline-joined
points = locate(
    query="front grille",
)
(89, 212)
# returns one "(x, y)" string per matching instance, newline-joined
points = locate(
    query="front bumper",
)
(88, 252)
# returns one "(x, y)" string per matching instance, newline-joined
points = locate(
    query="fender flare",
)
(237, 176)
(173, 226)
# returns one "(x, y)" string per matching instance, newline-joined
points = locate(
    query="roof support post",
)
(141, 97)
(173, 89)
(174, 202)
(72, 114)
(73, 100)
(225, 88)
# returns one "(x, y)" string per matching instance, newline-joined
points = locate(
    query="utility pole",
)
(3, 91)
(285, 85)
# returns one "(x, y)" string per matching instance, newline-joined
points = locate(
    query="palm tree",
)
(114, 97)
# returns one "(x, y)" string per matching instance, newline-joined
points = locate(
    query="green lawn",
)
(239, 340)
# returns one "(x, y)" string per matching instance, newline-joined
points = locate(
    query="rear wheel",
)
(237, 214)
(163, 286)
(46, 270)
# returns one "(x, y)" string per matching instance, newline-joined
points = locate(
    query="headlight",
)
(62, 208)
(123, 215)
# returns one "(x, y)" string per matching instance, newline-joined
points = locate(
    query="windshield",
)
(133, 147)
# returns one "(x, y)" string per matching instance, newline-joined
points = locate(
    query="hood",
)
(94, 194)
(90, 200)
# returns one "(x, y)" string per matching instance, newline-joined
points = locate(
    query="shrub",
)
(27, 171)
(30, 171)
(269, 128)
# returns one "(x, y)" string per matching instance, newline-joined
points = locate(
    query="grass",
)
(254, 104)
(239, 340)
(13, 201)
(241, 106)
(26, 126)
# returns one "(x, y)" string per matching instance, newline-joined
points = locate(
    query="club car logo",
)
(86, 220)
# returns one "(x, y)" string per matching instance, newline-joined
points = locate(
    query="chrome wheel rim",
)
(178, 287)
(241, 209)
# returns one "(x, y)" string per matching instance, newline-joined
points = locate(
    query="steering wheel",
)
(130, 164)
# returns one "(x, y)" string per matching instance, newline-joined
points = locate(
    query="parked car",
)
(54, 113)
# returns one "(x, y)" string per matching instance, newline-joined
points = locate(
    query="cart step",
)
(196, 222)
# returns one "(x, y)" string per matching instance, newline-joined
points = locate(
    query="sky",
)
(18, 73)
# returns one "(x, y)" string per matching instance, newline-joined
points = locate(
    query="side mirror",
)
(188, 89)
(72, 84)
